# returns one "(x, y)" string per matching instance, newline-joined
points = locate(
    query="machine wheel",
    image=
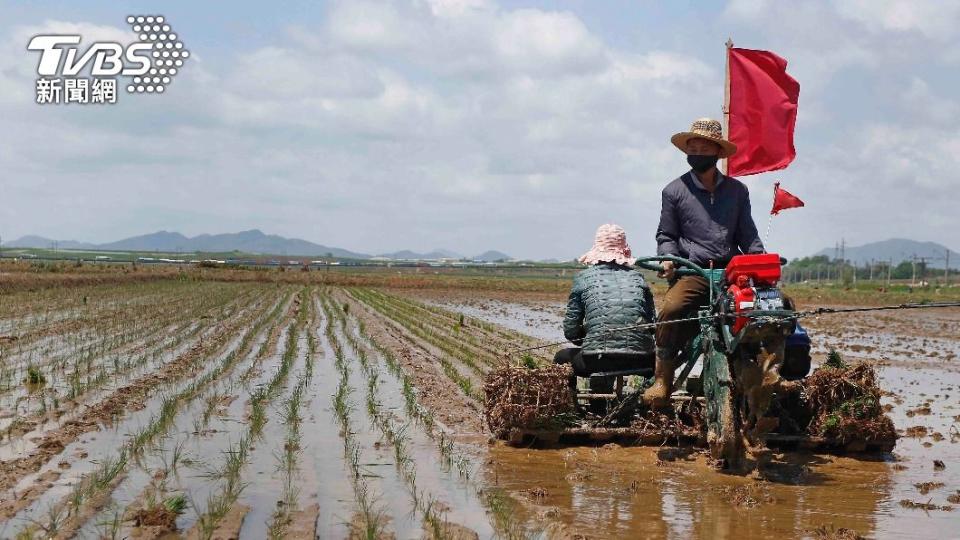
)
(723, 418)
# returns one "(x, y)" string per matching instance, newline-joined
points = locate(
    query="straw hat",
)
(705, 128)
(610, 245)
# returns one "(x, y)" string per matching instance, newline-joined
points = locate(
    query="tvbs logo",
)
(149, 64)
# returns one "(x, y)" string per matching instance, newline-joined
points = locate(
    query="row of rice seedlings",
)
(450, 371)
(288, 462)
(289, 457)
(219, 502)
(76, 346)
(420, 327)
(90, 366)
(451, 323)
(212, 401)
(484, 347)
(102, 322)
(90, 486)
(371, 514)
(265, 349)
(264, 394)
(413, 408)
(486, 339)
(38, 314)
(418, 412)
(396, 435)
(80, 386)
(157, 497)
(500, 505)
(87, 489)
(172, 404)
(83, 383)
(463, 320)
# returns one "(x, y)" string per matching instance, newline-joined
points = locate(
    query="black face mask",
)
(702, 164)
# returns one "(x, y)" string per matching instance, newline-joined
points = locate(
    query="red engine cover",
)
(746, 272)
(763, 268)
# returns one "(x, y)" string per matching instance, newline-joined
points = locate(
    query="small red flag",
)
(783, 199)
(763, 112)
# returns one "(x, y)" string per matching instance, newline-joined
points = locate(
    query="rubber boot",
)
(658, 395)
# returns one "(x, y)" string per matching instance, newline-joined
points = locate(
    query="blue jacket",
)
(704, 227)
(606, 296)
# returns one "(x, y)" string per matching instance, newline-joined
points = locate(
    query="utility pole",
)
(871, 271)
(946, 269)
(889, 270)
(841, 277)
(913, 278)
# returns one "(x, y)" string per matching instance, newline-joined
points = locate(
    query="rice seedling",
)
(35, 377)
(176, 503)
(110, 527)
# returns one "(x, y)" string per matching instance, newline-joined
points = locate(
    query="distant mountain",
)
(158, 241)
(41, 242)
(252, 241)
(429, 256)
(897, 250)
(492, 256)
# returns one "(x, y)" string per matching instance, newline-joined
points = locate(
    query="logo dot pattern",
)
(168, 53)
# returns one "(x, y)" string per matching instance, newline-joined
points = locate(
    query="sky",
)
(472, 125)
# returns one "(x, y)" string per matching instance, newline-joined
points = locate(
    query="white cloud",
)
(921, 101)
(464, 124)
(933, 19)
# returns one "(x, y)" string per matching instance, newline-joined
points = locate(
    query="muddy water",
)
(613, 491)
(646, 492)
(940, 389)
(541, 320)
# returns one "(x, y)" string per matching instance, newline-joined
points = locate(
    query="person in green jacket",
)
(608, 295)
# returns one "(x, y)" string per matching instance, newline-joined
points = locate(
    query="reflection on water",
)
(614, 491)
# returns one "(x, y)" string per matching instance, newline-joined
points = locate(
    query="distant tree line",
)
(822, 267)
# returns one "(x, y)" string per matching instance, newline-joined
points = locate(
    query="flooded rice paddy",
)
(246, 410)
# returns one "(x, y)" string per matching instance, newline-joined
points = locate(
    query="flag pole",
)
(726, 101)
(766, 236)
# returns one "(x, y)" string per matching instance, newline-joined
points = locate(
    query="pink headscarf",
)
(610, 245)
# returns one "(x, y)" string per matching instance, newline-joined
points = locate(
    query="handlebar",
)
(685, 267)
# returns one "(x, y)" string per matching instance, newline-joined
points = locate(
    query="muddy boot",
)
(658, 395)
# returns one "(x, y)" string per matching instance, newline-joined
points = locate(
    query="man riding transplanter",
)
(705, 218)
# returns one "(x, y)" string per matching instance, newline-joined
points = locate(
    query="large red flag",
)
(783, 199)
(763, 112)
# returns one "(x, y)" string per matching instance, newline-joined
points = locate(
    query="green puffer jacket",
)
(607, 296)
